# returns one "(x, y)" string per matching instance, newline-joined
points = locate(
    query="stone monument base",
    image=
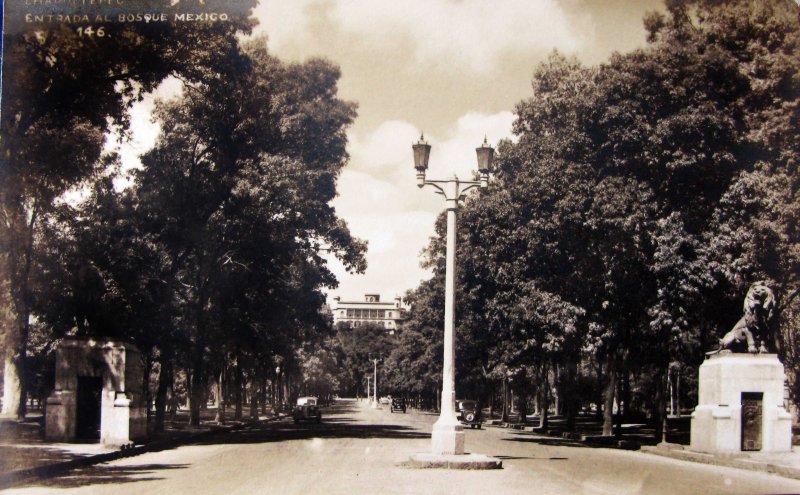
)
(740, 405)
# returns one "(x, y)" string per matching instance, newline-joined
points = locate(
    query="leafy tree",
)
(246, 194)
(358, 346)
(61, 97)
(640, 200)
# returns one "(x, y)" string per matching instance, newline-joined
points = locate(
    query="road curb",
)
(444, 461)
(13, 478)
(742, 461)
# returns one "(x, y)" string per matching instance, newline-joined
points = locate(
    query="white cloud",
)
(381, 203)
(143, 135)
(386, 152)
(386, 148)
(467, 32)
(455, 154)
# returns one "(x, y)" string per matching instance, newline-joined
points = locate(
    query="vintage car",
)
(469, 413)
(306, 409)
(398, 404)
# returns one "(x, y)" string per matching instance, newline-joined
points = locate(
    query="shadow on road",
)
(104, 474)
(339, 421)
(14, 457)
(337, 427)
(552, 442)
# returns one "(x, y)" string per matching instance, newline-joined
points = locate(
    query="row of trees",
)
(639, 201)
(625, 223)
(209, 262)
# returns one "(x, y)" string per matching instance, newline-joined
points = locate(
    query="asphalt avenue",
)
(359, 450)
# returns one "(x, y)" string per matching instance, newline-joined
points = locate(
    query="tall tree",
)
(645, 194)
(62, 93)
(237, 192)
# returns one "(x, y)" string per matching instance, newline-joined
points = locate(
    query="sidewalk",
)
(784, 464)
(24, 454)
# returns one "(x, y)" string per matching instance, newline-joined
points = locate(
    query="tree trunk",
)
(15, 380)
(608, 399)
(12, 384)
(625, 393)
(544, 407)
(237, 389)
(148, 397)
(254, 397)
(196, 392)
(544, 397)
(660, 406)
(220, 416)
(620, 404)
(199, 380)
(505, 399)
(19, 265)
(558, 402)
(164, 385)
(569, 394)
(492, 395)
(264, 394)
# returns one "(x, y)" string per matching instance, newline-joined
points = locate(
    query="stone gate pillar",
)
(104, 374)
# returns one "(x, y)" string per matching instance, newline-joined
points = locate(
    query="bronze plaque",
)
(752, 423)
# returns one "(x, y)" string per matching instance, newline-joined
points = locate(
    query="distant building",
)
(371, 310)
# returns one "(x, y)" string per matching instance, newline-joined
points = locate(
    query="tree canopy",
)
(639, 200)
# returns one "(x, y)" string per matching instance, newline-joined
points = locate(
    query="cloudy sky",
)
(451, 68)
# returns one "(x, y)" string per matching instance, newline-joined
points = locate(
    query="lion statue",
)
(759, 308)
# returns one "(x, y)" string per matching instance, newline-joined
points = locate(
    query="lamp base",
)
(447, 437)
(466, 461)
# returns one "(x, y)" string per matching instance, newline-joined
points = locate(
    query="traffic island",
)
(453, 461)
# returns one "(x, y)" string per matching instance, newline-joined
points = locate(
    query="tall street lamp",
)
(375, 384)
(448, 435)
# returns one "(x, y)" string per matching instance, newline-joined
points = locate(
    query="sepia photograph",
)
(302, 247)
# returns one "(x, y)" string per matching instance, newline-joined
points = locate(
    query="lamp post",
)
(375, 383)
(448, 435)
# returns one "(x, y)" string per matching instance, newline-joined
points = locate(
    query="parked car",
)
(398, 404)
(306, 409)
(469, 413)
(385, 400)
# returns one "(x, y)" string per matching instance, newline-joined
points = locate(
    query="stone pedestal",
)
(97, 383)
(727, 381)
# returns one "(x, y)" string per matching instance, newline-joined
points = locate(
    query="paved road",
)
(357, 450)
